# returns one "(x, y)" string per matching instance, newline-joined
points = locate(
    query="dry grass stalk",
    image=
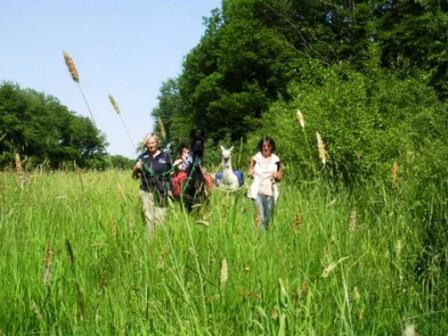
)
(394, 173)
(321, 147)
(224, 273)
(71, 67)
(114, 104)
(298, 220)
(162, 128)
(300, 118)
(19, 167)
(353, 220)
(331, 267)
(47, 263)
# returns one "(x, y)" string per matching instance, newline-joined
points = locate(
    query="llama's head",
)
(226, 156)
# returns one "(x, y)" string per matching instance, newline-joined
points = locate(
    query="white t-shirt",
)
(263, 182)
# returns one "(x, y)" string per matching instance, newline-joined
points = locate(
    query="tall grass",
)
(75, 259)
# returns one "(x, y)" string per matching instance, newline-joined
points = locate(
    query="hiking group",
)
(186, 179)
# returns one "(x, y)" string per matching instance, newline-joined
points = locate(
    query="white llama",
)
(229, 179)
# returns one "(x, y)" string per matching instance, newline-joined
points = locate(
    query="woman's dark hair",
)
(269, 140)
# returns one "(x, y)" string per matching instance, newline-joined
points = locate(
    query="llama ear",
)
(222, 148)
(231, 149)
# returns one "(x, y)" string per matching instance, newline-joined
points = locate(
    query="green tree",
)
(41, 130)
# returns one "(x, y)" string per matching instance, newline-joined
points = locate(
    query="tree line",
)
(253, 51)
(44, 132)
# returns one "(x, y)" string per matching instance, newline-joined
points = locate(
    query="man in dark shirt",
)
(153, 167)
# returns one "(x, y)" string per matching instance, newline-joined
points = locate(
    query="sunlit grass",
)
(322, 276)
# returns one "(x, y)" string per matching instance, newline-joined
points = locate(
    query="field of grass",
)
(75, 259)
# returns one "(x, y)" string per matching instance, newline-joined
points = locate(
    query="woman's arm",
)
(136, 172)
(250, 171)
(278, 175)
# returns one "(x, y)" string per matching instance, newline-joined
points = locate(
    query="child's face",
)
(185, 153)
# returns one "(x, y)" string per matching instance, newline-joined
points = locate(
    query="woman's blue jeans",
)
(264, 205)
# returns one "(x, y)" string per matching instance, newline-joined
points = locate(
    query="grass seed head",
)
(71, 67)
(331, 267)
(213, 298)
(257, 219)
(114, 104)
(394, 173)
(298, 220)
(224, 273)
(114, 227)
(328, 270)
(37, 311)
(304, 289)
(321, 147)
(300, 118)
(356, 295)
(353, 221)
(47, 263)
(409, 330)
(251, 294)
(162, 128)
(161, 262)
(19, 167)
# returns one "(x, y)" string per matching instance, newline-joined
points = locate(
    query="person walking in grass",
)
(153, 168)
(182, 167)
(265, 170)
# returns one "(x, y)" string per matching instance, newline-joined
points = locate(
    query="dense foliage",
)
(42, 131)
(367, 121)
(253, 49)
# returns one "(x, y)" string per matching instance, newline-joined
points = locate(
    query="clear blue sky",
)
(123, 48)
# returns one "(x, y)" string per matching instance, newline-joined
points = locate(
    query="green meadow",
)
(75, 259)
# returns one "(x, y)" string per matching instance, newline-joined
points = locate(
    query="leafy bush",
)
(367, 121)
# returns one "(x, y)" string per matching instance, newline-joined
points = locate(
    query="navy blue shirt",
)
(155, 172)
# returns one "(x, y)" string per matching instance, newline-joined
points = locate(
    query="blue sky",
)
(123, 48)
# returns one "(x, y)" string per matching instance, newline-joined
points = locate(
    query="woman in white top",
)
(265, 170)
